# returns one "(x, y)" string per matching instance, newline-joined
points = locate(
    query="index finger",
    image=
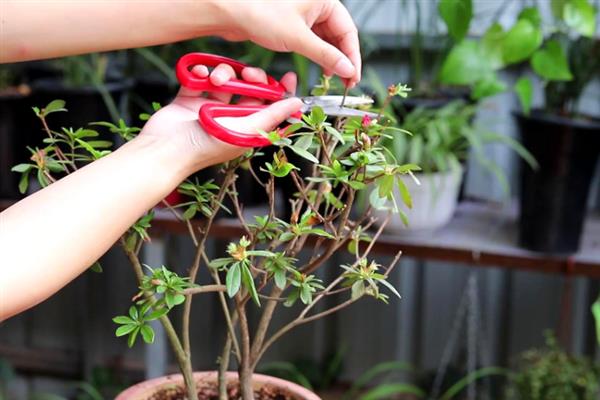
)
(345, 34)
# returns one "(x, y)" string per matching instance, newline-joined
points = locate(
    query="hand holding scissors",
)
(272, 91)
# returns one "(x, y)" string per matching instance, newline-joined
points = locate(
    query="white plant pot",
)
(434, 202)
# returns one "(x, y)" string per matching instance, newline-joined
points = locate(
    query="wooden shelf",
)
(481, 234)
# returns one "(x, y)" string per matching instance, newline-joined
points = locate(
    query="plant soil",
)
(207, 391)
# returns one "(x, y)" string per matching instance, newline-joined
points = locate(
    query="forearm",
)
(52, 236)
(45, 29)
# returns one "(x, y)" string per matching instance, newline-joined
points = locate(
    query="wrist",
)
(203, 18)
(166, 159)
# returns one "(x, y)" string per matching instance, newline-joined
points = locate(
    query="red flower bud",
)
(366, 121)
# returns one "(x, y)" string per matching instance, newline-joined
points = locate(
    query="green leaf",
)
(96, 267)
(249, 284)
(24, 182)
(521, 41)
(317, 116)
(286, 236)
(133, 312)
(304, 141)
(404, 193)
(100, 144)
(291, 299)
(580, 16)
(320, 232)
(157, 313)
(390, 287)
(358, 290)
(385, 185)
(304, 154)
(132, 337)
(125, 329)
(596, 313)
(491, 45)
(532, 15)
(558, 7)
(335, 133)
(457, 15)
(123, 320)
(403, 217)
(233, 280)
(487, 87)
(147, 333)
(524, 90)
(388, 390)
(305, 294)
(54, 106)
(190, 212)
(551, 62)
(465, 64)
(21, 168)
(377, 370)
(470, 378)
(280, 279)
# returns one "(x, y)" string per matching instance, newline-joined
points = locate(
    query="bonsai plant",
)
(564, 55)
(261, 267)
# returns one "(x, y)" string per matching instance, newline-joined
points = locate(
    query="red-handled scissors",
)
(271, 91)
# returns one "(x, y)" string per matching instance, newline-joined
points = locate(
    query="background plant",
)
(263, 265)
(552, 374)
(562, 53)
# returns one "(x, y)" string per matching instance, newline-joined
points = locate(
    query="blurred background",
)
(504, 275)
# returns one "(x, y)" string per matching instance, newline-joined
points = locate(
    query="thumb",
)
(269, 117)
(323, 53)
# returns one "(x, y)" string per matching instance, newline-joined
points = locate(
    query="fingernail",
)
(344, 68)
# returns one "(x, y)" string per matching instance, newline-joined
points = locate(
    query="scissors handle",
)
(209, 111)
(273, 90)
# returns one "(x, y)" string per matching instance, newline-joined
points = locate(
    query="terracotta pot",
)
(148, 389)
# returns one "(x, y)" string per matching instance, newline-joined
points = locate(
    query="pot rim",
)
(146, 388)
(539, 115)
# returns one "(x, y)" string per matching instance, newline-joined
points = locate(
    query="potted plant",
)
(91, 84)
(565, 141)
(552, 374)
(261, 267)
(565, 56)
(440, 143)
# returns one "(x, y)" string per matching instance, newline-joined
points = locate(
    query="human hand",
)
(176, 125)
(321, 30)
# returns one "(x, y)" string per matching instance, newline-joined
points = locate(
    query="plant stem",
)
(223, 367)
(187, 306)
(264, 322)
(245, 369)
(229, 319)
(59, 152)
(205, 289)
(183, 358)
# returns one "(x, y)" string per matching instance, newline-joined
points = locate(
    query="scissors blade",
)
(325, 101)
(347, 112)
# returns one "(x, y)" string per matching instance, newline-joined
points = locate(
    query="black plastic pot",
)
(554, 198)
(148, 90)
(85, 104)
(15, 134)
